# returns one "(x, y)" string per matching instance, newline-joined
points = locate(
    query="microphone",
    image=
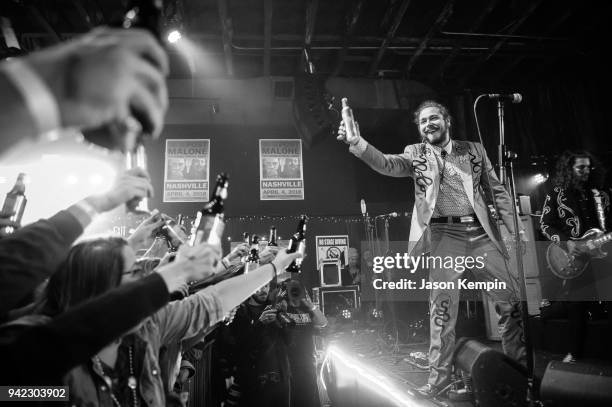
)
(389, 215)
(514, 97)
(363, 207)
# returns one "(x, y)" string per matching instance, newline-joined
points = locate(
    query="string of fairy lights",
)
(128, 221)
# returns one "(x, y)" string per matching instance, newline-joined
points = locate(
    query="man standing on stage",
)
(574, 206)
(454, 181)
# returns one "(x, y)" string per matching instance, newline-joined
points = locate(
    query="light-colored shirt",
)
(452, 198)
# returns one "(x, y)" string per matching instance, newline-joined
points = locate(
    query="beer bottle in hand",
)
(272, 239)
(210, 220)
(14, 205)
(253, 259)
(297, 243)
(349, 121)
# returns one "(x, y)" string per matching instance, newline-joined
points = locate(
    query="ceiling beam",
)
(440, 22)
(483, 15)
(268, 12)
(484, 58)
(227, 33)
(551, 28)
(397, 20)
(353, 17)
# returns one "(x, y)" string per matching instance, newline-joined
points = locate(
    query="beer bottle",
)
(210, 222)
(349, 120)
(272, 239)
(297, 243)
(14, 204)
(253, 259)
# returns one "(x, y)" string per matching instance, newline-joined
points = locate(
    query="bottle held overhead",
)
(349, 120)
(210, 222)
(14, 205)
(297, 243)
(272, 239)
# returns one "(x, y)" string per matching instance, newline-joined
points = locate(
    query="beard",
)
(261, 300)
(580, 182)
(435, 135)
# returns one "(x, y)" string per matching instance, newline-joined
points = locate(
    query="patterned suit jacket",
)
(419, 162)
(562, 217)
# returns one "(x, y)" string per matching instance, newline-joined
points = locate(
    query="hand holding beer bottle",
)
(349, 128)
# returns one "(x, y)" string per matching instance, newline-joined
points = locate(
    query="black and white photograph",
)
(305, 203)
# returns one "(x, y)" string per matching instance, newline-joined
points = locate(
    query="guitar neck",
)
(600, 241)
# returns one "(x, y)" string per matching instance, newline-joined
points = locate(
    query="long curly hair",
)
(564, 174)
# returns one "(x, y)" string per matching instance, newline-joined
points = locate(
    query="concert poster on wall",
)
(186, 170)
(281, 175)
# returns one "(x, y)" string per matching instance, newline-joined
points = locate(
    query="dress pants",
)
(458, 240)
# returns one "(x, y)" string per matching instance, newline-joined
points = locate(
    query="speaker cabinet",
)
(334, 300)
(311, 116)
(576, 384)
(497, 380)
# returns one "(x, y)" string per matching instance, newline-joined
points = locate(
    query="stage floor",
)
(381, 360)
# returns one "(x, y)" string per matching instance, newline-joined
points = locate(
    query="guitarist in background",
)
(574, 206)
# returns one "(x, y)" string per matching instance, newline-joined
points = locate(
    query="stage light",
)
(174, 36)
(72, 179)
(348, 367)
(376, 313)
(346, 314)
(95, 179)
(540, 178)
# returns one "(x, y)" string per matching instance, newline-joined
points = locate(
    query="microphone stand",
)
(390, 302)
(505, 159)
(369, 235)
(501, 149)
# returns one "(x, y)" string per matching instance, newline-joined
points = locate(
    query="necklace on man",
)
(131, 382)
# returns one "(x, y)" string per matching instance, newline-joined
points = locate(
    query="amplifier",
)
(334, 300)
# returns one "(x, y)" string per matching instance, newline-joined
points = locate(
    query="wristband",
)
(36, 95)
(87, 208)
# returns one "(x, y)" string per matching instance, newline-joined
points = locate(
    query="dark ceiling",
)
(451, 43)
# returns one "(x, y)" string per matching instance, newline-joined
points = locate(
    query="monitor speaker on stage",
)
(576, 384)
(497, 380)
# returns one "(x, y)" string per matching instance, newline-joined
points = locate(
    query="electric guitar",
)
(566, 266)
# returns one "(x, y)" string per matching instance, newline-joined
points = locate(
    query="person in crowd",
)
(98, 78)
(255, 346)
(127, 370)
(454, 181)
(33, 253)
(56, 345)
(301, 320)
(575, 204)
